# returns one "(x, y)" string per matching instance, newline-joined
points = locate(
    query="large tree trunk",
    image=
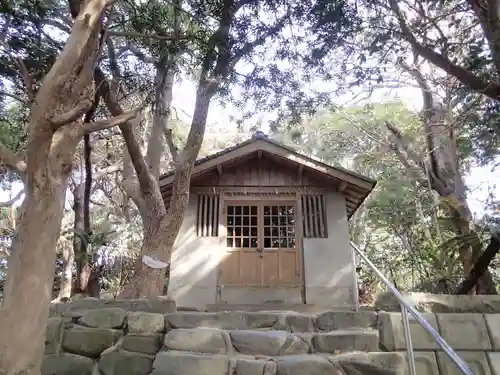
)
(28, 289)
(53, 134)
(150, 281)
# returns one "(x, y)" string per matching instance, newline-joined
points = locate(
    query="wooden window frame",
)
(261, 237)
(314, 218)
(207, 215)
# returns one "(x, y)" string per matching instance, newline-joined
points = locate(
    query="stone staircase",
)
(112, 341)
(268, 343)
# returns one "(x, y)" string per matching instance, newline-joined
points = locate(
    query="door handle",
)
(261, 251)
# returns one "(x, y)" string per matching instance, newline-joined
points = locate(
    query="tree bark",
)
(66, 285)
(53, 134)
(158, 236)
(480, 267)
(439, 169)
(28, 290)
(82, 262)
(92, 284)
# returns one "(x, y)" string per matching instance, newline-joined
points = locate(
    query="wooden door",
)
(262, 248)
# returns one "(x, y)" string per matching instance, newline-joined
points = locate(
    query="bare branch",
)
(108, 170)
(467, 78)
(141, 168)
(113, 121)
(406, 144)
(131, 34)
(72, 115)
(424, 88)
(26, 76)
(18, 98)
(12, 200)
(140, 55)
(170, 142)
(12, 159)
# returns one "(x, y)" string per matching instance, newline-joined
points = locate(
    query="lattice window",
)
(314, 218)
(242, 226)
(207, 223)
(279, 227)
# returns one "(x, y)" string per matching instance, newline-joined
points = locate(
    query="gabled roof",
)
(354, 186)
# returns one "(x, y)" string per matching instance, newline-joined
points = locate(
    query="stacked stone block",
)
(141, 337)
(475, 337)
(113, 341)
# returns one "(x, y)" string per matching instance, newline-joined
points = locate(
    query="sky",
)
(479, 180)
(219, 117)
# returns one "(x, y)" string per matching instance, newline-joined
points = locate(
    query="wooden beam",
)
(342, 186)
(292, 157)
(256, 189)
(301, 173)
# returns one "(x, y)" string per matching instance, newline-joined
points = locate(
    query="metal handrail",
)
(405, 308)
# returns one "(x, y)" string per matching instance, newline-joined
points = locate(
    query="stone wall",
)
(441, 303)
(112, 341)
(119, 338)
(475, 337)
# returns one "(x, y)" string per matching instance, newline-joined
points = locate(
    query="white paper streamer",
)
(153, 263)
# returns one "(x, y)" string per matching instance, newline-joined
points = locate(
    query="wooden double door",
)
(262, 248)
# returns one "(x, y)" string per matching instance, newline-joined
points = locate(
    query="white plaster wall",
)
(329, 267)
(193, 272)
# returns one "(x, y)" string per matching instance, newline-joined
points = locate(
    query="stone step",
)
(265, 307)
(272, 343)
(183, 363)
(278, 320)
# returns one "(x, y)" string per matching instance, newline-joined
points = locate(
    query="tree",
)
(54, 130)
(240, 30)
(437, 165)
(473, 22)
(402, 227)
(405, 36)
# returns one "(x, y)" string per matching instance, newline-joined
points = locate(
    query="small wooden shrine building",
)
(266, 224)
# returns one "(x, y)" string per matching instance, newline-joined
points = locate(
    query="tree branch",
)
(72, 115)
(12, 159)
(27, 79)
(140, 55)
(107, 170)
(146, 182)
(11, 201)
(170, 142)
(113, 121)
(18, 98)
(406, 144)
(415, 172)
(467, 78)
(480, 266)
(131, 34)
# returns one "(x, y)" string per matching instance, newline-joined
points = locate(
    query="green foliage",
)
(403, 228)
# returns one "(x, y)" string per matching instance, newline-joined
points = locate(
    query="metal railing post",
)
(459, 362)
(410, 356)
